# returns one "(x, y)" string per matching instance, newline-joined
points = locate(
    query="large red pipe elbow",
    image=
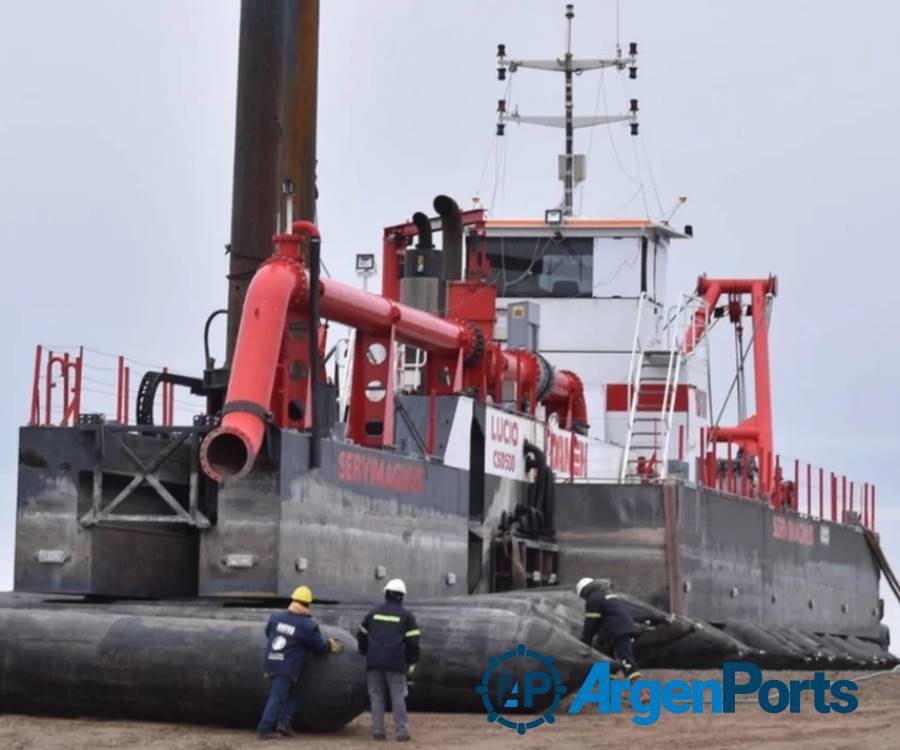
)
(560, 390)
(231, 449)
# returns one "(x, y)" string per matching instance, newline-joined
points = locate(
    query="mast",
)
(572, 166)
(569, 176)
(275, 136)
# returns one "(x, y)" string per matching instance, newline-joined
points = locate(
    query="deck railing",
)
(68, 384)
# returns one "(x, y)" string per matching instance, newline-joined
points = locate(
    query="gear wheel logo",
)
(512, 692)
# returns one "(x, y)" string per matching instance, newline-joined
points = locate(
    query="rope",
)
(649, 164)
(612, 143)
(587, 156)
(618, 25)
(499, 153)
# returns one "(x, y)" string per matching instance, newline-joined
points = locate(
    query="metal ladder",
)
(653, 379)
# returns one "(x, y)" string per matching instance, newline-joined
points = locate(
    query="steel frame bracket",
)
(146, 474)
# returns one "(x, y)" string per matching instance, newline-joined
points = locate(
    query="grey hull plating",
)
(79, 663)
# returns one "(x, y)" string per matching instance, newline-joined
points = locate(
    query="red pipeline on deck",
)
(270, 378)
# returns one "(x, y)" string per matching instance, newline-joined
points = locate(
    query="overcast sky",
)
(778, 120)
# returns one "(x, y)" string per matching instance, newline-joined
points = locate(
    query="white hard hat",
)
(579, 587)
(396, 585)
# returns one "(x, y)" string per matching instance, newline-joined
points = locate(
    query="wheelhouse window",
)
(542, 266)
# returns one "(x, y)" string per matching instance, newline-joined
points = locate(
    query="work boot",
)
(379, 737)
(402, 738)
(285, 730)
(267, 735)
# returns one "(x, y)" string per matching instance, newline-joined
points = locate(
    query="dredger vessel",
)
(521, 405)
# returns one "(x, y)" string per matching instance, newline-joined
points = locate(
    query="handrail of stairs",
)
(634, 384)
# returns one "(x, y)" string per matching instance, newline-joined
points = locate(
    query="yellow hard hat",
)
(302, 594)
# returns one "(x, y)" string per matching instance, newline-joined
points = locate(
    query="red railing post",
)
(796, 499)
(833, 497)
(809, 489)
(126, 397)
(821, 492)
(681, 442)
(65, 388)
(36, 388)
(872, 511)
(165, 400)
(865, 505)
(844, 498)
(852, 484)
(48, 387)
(76, 396)
(120, 380)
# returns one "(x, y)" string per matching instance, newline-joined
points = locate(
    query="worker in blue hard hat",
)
(389, 639)
(291, 634)
(608, 620)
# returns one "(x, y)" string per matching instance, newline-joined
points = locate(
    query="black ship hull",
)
(367, 515)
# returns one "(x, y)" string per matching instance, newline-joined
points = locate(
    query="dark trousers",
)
(621, 651)
(281, 706)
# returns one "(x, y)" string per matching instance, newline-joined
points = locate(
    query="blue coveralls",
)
(607, 618)
(290, 637)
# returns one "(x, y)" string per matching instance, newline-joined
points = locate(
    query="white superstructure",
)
(601, 289)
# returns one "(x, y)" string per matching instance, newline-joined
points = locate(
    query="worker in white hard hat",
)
(290, 634)
(608, 621)
(389, 639)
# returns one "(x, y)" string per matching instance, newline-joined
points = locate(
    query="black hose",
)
(210, 362)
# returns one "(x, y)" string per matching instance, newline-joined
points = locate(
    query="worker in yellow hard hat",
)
(290, 633)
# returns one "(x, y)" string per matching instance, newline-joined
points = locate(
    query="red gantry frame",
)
(270, 375)
(754, 435)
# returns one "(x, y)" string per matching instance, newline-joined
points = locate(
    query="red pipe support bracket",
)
(36, 388)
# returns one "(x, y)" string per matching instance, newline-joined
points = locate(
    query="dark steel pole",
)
(315, 440)
(298, 99)
(275, 134)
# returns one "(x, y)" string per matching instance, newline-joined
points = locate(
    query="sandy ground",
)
(874, 725)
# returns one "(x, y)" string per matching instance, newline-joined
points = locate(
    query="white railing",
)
(634, 384)
(678, 326)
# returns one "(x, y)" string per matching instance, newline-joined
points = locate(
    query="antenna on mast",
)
(571, 165)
